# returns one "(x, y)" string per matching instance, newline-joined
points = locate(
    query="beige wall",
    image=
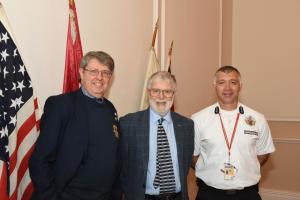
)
(194, 26)
(226, 55)
(265, 47)
(264, 43)
(281, 171)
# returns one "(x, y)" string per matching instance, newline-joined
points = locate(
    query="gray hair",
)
(164, 76)
(228, 69)
(102, 57)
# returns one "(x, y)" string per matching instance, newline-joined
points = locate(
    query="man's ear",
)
(80, 73)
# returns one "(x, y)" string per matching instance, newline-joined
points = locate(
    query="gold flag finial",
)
(171, 48)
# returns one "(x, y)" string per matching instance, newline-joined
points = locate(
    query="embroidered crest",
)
(115, 130)
(250, 121)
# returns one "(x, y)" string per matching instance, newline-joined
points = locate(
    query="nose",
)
(227, 85)
(161, 95)
(99, 75)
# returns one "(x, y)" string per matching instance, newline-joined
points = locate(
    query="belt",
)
(170, 196)
(203, 186)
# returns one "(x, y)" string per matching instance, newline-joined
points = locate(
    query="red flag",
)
(73, 52)
(19, 119)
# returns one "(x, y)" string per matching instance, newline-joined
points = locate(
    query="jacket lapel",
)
(81, 119)
(76, 138)
(179, 136)
(144, 137)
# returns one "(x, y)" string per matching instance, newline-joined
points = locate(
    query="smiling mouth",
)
(227, 94)
(98, 84)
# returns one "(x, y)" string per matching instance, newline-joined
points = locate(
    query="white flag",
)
(153, 66)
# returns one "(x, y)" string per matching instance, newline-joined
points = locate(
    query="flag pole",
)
(170, 56)
(169, 66)
(154, 33)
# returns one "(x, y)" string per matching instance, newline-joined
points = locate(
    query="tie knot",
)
(160, 121)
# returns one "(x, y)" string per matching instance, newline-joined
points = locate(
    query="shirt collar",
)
(237, 108)
(85, 92)
(154, 117)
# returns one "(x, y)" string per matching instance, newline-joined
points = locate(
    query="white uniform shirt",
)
(252, 138)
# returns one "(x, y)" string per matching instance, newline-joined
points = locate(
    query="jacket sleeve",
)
(41, 163)
(124, 152)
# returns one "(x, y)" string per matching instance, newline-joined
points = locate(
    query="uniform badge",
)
(116, 116)
(116, 132)
(250, 121)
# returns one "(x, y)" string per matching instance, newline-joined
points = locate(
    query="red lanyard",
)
(233, 133)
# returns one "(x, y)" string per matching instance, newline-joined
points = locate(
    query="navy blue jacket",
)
(61, 146)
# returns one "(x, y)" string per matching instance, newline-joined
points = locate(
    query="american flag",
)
(18, 120)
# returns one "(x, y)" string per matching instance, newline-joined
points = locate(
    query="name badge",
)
(250, 132)
(229, 171)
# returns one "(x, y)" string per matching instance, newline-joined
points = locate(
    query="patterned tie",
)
(164, 177)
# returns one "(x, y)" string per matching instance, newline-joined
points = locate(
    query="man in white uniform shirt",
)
(232, 142)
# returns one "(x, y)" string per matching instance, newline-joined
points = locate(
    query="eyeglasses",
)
(166, 93)
(95, 72)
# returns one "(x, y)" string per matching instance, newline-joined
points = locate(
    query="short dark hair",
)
(227, 69)
(101, 56)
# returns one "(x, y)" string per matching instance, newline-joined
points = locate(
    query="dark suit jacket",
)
(135, 152)
(62, 143)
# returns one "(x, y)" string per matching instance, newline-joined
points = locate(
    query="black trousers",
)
(206, 192)
(174, 196)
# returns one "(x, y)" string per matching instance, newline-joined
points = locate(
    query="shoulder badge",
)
(115, 131)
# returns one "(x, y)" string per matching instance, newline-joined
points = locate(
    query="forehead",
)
(96, 64)
(161, 84)
(227, 76)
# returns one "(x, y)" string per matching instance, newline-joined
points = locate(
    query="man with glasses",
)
(76, 154)
(156, 146)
